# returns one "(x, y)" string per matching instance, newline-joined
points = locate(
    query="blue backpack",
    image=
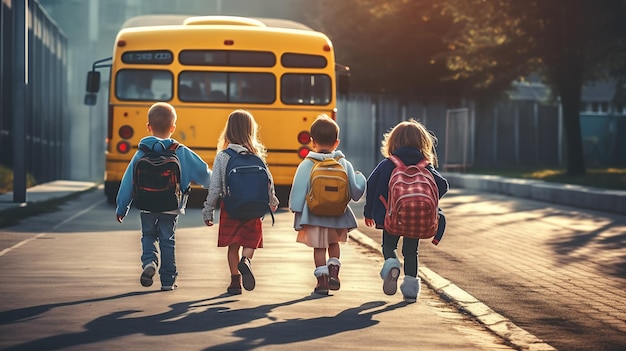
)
(247, 186)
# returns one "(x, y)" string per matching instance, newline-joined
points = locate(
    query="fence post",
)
(19, 100)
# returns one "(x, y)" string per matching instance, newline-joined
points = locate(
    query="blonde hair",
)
(161, 117)
(409, 133)
(324, 130)
(242, 129)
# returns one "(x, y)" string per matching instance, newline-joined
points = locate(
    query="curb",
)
(604, 200)
(494, 322)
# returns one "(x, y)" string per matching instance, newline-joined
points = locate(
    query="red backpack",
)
(412, 202)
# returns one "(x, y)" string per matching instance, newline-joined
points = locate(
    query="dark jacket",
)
(378, 183)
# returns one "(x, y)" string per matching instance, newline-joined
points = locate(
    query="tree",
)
(568, 42)
(390, 46)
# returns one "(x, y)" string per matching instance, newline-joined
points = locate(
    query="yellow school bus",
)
(281, 71)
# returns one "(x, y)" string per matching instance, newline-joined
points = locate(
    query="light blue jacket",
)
(300, 187)
(192, 168)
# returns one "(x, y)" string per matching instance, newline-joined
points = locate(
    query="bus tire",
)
(110, 191)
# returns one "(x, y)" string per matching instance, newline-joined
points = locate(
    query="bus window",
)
(144, 85)
(198, 86)
(306, 89)
(254, 88)
(227, 58)
(303, 61)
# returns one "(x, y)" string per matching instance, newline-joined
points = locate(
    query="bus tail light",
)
(123, 147)
(304, 137)
(303, 152)
(126, 132)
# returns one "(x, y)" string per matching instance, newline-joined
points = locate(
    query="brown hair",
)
(324, 130)
(242, 129)
(161, 117)
(409, 133)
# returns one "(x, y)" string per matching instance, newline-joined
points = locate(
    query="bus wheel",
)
(282, 192)
(110, 190)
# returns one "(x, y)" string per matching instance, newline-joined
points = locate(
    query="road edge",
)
(491, 320)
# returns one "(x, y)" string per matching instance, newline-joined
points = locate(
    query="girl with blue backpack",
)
(241, 229)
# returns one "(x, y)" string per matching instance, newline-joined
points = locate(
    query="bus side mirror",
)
(93, 81)
(91, 99)
(343, 79)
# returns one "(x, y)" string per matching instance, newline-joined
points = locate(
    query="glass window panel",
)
(143, 85)
(303, 61)
(256, 88)
(305, 89)
(227, 58)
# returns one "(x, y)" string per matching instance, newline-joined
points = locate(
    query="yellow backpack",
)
(329, 191)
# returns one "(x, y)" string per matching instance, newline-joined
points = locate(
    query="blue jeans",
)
(159, 228)
(409, 251)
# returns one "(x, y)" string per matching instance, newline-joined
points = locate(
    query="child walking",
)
(323, 233)
(412, 143)
(240, 134)
(160, 227)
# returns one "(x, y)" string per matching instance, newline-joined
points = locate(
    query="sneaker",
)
(322, 285)
(390, 273)
(333, 277)
(246, 274)
(148, 272)
(235, 285)
(169, 287)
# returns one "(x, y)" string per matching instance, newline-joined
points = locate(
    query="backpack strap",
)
(173, 147)
(396, 161)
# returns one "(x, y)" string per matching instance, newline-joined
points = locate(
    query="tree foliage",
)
(568, 42)
(390, 46)
(447, 48)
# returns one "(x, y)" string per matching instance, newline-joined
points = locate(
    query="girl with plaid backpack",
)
(412, 144)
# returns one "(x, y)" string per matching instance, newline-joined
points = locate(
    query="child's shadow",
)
(298, 330)
(185, 317)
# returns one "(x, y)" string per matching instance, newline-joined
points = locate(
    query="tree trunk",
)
(570, 99)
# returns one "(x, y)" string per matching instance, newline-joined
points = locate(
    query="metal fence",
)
(45, 117)
(506, 134)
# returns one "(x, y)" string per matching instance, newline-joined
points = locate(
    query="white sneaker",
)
(169, 287)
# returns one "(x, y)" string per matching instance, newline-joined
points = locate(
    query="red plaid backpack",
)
(412, 202)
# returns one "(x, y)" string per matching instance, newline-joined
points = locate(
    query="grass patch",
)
(6, 180)
(605, 178)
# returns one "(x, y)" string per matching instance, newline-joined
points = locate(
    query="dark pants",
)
(409, 251)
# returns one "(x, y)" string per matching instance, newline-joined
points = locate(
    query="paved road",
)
(69, 281)
(558, 272)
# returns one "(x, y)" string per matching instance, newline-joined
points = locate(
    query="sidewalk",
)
(280, 314)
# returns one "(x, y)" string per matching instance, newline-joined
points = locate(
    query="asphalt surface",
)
(70, 281)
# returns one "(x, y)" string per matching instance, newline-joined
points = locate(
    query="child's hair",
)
(324, 130)
(161, 117)
(242, 129)
(409, 133)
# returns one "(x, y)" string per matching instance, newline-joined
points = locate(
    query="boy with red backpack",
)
(402, 198)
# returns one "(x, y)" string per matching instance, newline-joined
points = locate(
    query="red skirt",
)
(246, 233)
